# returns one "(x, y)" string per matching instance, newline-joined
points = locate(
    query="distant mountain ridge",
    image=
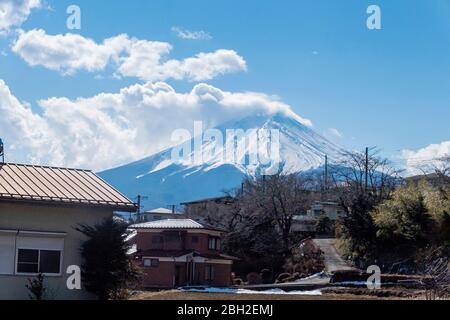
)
(168, 182)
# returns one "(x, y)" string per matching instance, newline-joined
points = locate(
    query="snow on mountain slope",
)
(214, 168)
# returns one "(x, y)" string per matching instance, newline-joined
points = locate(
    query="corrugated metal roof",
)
(20, 182)
(172, 224)
(161, 211)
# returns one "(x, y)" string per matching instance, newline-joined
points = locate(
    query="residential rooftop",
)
(59, 186)
(225, 199)
(173, 224)
(161, 211)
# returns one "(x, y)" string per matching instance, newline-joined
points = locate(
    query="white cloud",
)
(14, 12)
(113, 128)
(146, 60)
(426, 158)
(68, 53)
(335, 133)
(191, 35)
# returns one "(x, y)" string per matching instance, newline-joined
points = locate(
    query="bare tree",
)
(370, 175)
(280, 197)
(436, 272)
(361, 182)
(436, 171)
(442, 170)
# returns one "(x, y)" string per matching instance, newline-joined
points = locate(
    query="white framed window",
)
(33, 261)
(214, 243)
(39, 253)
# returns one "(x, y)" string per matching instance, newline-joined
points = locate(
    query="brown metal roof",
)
(52, 185)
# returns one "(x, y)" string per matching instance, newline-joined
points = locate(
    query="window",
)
(39, 252)
(28, 252)
(49, 262)
(214, 244)
(28, 261)
(157, 239)
(38, 261)
(209, 273)
(151, 263)
(194, 239)
(172, 237)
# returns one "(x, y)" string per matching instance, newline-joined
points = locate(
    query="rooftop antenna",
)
(2, 153)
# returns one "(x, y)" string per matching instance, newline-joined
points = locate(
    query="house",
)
(159, 214)
(330, 209)
(181, 252)
(210, 210)
(319, 209)
(39, 210)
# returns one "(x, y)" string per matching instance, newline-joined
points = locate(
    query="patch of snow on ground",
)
(319, 275)
(245, 291)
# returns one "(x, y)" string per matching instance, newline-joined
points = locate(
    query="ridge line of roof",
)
(43, 166)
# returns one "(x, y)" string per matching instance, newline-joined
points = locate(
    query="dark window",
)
(194, 239)
(209, 273)
(49, 261)
(151, 263)
(172, 237)
(214, 244)
(38, 261)
(28, 261)
(157, 239)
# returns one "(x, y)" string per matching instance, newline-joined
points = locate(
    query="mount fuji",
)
(166, 181)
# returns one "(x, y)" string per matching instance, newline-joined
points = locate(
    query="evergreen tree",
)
(107, 269)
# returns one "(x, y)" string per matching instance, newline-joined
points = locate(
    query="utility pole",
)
(366, 180)
(139, 204)
(2, 151)
(138, 216)
(326, 172)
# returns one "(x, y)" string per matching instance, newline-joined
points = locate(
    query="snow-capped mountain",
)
(204, 167)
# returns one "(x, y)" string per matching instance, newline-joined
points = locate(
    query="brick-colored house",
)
(181, 252)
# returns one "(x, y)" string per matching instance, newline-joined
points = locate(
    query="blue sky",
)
(388, 88)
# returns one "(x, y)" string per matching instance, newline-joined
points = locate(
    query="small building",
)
(307, 222)
(40, 207)
(330, 209)
(159, 214)
(210, 210)
(180, 252)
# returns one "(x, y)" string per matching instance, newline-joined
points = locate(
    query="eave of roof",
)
(71, 203)
(179, 253)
